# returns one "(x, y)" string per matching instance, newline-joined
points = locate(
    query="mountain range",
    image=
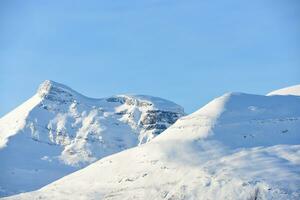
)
(238, 146)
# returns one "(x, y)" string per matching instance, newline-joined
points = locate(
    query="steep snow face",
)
(239, 146)
(58, 131)
(292, 90)
(16, 120)
(242, 120)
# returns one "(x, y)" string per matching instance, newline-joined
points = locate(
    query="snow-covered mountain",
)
(292, 90)
(58, 131)
(238, 146)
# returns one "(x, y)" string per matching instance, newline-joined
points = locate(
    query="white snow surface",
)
(292, 90)
(59, 131)
(238, 146)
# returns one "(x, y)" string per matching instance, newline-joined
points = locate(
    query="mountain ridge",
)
(67, 131)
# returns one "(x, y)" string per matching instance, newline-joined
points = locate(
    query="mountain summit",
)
(58, 131)
(52, 90)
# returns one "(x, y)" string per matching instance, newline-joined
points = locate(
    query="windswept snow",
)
(239, 146)
(16, 120)
(58, 131)
(292, 90)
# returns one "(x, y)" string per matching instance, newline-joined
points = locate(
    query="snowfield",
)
(238, 146)
(292, 90)
(59, 131)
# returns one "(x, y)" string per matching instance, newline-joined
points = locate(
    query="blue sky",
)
(186, 51)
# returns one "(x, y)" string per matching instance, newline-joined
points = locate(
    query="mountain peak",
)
(66, 131)
(52, 90)
(47, 87)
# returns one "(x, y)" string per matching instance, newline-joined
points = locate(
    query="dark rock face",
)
(59, 96)
(155, 121)
(128, 100)
(158, 120)
(115, 100)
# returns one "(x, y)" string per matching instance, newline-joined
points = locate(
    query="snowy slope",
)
(239, 146)
(292, 90)
(58, 131)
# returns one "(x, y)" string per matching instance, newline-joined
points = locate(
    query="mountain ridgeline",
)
(239, 146)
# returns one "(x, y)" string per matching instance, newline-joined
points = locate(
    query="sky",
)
(187, 51)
